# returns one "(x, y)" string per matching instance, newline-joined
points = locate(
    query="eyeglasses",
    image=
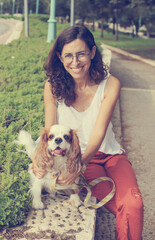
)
(80, 56)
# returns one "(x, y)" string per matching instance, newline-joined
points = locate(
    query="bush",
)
(15, 200)
(21, 107)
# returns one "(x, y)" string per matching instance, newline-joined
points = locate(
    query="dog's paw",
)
(37, 205)
(52, 194)
(55, 174)
(75, 200)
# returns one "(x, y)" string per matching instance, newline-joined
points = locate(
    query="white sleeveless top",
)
(84, 122)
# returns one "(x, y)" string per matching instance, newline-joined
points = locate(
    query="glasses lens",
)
(80, 56)
(83, 56)
(68, 58)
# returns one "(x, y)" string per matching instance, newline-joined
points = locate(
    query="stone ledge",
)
(59, 221)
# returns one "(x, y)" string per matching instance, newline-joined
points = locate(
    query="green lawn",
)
(141, 47)
(21, 107)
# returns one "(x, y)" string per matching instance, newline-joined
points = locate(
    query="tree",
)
(142, 12)
(44, 6)
(148, 16)
(7, 6)
(83, 12)
(117, 7)
(102, 11)
(63, 10)
(130, 19)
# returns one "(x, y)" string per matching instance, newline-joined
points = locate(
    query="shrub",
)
(21, 97)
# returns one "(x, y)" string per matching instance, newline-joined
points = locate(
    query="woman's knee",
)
(133, 200)
(137, 202)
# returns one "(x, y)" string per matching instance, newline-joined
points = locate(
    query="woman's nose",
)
(75, 59)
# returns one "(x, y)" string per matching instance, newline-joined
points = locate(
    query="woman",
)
(81, 94)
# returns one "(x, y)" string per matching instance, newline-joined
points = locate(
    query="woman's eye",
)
(51, 136)
(68, 56)
(66, 137)
(81, 54)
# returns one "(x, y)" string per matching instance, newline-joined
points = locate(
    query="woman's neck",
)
(81, 84)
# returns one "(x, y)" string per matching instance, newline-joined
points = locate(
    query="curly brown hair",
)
(62, 83)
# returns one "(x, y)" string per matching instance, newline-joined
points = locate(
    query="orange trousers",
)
(127, 203)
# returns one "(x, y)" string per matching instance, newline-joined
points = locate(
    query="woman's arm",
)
(50, 106)
(112, 91)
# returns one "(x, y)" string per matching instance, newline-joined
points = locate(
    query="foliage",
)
(139, 12)
(125, 12)
(44, 6)
(15, 199)
(62, 9)
(11, 16)
(82, 12)
(21, 98)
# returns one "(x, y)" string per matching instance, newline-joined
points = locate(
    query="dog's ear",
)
(44, 135)
(74, 155)
(41, 159)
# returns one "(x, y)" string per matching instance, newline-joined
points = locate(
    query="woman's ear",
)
(93, 52)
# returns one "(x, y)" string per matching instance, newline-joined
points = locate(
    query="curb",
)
(14, 31)
(120, 51)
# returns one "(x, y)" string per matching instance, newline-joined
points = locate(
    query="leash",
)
(105, 199)
(88, 187)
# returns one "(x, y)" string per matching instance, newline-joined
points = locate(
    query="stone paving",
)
(59, 221)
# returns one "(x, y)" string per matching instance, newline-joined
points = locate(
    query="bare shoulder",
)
(112, 87)
(48, 92)
(47, 86)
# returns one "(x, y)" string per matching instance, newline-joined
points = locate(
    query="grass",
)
(21, 107)
(142, 47)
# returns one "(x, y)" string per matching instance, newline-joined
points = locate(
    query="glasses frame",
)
(75, 56)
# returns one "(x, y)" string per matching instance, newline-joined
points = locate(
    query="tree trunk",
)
(148, 25)
(116, 17)
(102, 28)
(93, 25)
(137, 29)
(148, 33)
(132, 34)
(113, 30)
(83, 19)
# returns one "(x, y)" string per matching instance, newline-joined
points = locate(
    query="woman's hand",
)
(67, 178)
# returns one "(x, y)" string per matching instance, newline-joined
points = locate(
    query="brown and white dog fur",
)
(57, 148)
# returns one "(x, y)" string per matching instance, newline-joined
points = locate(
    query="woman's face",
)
(76, 58)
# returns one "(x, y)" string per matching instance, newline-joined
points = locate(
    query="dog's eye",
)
(66, 137)
(51, 136)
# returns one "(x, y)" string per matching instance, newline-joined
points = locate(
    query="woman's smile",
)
(76, 70)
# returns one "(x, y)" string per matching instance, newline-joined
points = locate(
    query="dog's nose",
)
(58, 140)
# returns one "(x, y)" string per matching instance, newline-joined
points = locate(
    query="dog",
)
(57, 149)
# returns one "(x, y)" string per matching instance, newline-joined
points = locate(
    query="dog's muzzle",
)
(58, 151)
